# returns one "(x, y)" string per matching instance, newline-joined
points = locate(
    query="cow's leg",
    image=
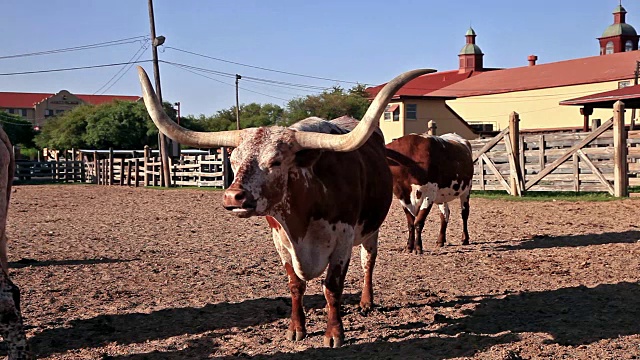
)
(419, 223)
(11, 326)
(464, 205)
(368, 254)
(412, 229)
(333, 287)
(444, 221)
(297, 329)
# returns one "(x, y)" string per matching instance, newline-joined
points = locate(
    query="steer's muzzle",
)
(239, 202)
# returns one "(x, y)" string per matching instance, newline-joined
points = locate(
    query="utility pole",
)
(238, 77)
(162, 139)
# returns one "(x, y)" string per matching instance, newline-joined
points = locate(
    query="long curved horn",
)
(177, 132)
(360, 134)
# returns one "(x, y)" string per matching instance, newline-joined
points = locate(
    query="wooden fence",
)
(126, 168)
(605, 159)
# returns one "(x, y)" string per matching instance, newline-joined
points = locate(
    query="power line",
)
(262, 68)
(78, 48)
(251, 79)
(72, 68)
(124, 69)
(220, 81)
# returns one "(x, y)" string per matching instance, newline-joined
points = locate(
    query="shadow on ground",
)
(22, 263)
(572, 316)
(547, 242)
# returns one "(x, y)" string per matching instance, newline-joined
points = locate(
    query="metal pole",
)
(238, 77)
(162, 143)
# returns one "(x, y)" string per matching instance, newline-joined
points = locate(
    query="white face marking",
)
(261, 164)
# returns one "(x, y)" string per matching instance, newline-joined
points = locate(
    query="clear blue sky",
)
(365, 41)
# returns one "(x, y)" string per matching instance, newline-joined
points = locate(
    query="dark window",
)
(628, 46)
(412, 112)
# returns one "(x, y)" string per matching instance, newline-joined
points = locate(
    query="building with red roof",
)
(413, 106)
(37, 107)
(484, 98)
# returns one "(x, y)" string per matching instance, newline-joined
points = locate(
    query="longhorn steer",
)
(11, 326)
(426, 170)
(323, 186)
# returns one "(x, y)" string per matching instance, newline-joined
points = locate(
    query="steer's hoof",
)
(418, 251)
(440, 244)
(366, 307)
(408, 250)
(333, 341)
(296, 335)
(465, 242)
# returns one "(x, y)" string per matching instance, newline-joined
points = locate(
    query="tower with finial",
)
(619, 36)
(470, 56)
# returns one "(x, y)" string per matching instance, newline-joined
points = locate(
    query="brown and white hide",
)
(319, 204)
(426, 170)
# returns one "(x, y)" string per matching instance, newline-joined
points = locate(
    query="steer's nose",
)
(235, 198)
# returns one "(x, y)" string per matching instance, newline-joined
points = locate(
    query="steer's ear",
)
(306, 158)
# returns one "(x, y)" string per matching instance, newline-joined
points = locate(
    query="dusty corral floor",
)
(122, 273)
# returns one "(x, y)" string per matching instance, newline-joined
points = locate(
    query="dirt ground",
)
(124, 273)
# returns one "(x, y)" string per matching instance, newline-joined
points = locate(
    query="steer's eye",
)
(275, 163)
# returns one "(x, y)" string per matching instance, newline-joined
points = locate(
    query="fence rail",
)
(106, 168)
(589, 161)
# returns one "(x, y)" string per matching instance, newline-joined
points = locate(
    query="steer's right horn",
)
(177, 132)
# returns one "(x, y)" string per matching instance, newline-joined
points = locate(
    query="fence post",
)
(96, 168)
(514, 137)
(56, 159)
(431, 128)
(620, 173)
(145, 166)
(137, 170)
(110, 175)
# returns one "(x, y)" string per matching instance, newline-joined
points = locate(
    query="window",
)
(609, 49)
(628, 46)
(625, 83)
(22, 112)
(59, 112)
(387, 113)
(392, 112)
(412, 112)
(48, 112)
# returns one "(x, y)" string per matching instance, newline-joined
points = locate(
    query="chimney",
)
(532, 60)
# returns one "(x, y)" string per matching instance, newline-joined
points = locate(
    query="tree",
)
(19, 131)
(119, 124)
(251, 115)
(329, 104)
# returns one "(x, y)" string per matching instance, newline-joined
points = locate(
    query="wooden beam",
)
(595, 171)
(495, 171)
(490, 144)
(620, 174)
(548, 169)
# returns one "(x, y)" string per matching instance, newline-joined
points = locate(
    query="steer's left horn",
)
(177, 132)
(360, 134)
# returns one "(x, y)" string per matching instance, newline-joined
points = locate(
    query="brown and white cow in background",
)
(11, 327)
(426, 170)
(323, 186)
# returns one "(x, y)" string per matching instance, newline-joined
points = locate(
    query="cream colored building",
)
(478, 98)
(38, 107)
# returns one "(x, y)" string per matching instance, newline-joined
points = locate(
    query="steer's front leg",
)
(333, 287)
(297, 328)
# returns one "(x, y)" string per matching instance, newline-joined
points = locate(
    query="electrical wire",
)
(78, 48)
(124, 69)
(222, 82)
(72, 68)
(261, 68)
